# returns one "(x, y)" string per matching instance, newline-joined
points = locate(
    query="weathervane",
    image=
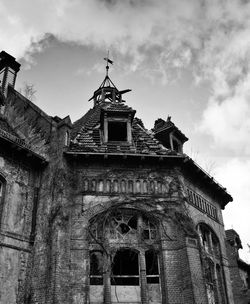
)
(108, 61)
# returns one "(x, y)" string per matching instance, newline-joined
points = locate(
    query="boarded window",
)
(125, 268)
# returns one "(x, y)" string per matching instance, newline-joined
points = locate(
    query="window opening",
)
(152, 268)
(117, 131)
(149, 230)
(212, 265)
(123, 224)
(96, 268)
(209, 279)
(66, 140)
(125, 268)
(176, 146)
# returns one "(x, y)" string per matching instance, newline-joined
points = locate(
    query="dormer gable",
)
(169, 135)
(116, 122)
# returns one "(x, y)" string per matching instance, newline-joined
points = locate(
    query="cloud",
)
(228, 120)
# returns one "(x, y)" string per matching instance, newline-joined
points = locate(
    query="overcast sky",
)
(186, 58)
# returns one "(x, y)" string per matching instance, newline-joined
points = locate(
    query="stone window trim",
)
(122, 120)
(2, 196)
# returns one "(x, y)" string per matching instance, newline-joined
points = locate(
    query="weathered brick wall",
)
(15, 226)
(240, 291)
(90, 199)
(50, 274)
(198, 216)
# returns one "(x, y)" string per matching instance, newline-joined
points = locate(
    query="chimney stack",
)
(8, 71)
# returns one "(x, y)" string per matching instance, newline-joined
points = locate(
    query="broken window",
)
(117, 131)
(211, 258)
(204, 234)
(152, 268)
(96, 268)
(148, 230)
(122, 224)
(126, 222)
(209, 279)
(125, 268)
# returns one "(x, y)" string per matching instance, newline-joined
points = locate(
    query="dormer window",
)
(176, 145)
(117, 131)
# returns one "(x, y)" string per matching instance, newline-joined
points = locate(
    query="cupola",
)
(8, 71)
(169, 135)
(116, 116)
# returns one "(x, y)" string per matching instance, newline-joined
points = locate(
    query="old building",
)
(103, 210)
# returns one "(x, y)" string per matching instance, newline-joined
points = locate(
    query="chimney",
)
(8, 71)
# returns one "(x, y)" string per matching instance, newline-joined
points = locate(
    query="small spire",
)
(107, 61)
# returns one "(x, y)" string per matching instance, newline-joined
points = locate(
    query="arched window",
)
(124, 243)
(128, 222)
(2, 191)
(212, 265)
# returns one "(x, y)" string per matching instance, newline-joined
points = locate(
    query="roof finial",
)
(108, 61)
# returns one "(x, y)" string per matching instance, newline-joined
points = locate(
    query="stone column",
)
(106, 280)
(143, 278)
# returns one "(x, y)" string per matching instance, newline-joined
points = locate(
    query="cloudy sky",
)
(186, 58)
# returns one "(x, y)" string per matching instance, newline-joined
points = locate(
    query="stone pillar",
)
(106, 280)
(143, 278)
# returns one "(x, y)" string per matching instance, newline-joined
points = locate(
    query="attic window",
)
(117, 131)
(176, 145)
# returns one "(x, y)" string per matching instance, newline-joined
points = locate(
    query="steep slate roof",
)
(8, 135)
(86, 134)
